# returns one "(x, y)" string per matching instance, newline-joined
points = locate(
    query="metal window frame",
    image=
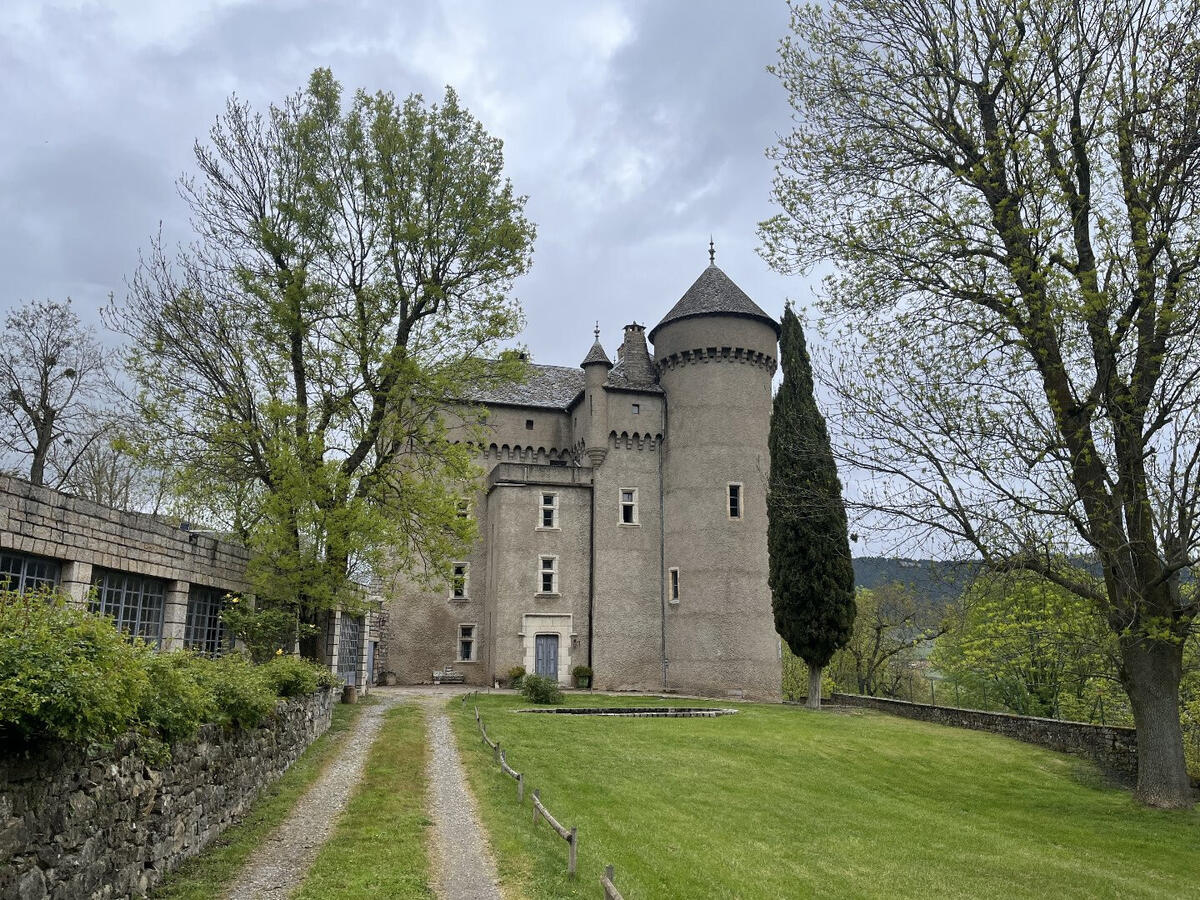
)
(136, 603)
(15, 574)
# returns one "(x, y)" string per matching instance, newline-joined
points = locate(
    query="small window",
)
(735, 501)
(466, 643)
(529, 424)
(134, 602)
(203, 630)
(637, 408)
(673, 585)
(549, 510)
(462, 509)
(629, 509)
(548, 575)
(19, 573)
(460, 581)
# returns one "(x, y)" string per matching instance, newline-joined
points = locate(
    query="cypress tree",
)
(811, 575)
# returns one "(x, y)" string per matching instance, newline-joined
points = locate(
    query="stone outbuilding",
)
(622, 518)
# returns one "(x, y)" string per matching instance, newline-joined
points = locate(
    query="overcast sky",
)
(635, 128)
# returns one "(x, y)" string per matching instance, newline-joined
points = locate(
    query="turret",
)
(596, 366)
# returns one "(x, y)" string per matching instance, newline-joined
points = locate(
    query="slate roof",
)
(596, 355)
(621, 379)
(714, 293)
(547, 387)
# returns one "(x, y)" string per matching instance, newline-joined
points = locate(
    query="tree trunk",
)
(1151, 671)
(814, 687)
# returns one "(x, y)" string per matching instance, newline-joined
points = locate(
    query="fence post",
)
(520, 789)
(536, 799)
(496, 753)
(571, 842)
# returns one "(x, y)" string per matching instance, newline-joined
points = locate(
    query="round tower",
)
(716, 353)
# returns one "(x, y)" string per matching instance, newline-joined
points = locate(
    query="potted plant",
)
(515, 674)
(583, 676)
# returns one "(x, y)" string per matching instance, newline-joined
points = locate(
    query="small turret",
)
(596, 366)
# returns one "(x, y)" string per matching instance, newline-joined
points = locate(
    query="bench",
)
(448, 676)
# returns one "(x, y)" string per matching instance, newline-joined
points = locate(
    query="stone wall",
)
(99, 824)
(1113, 748)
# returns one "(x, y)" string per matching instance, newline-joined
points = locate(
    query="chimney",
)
(636, 357)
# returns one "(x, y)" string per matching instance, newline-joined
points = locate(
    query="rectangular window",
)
(466, 643)
(463, 509)
(629, 510)
(529, 424)
(134, 602)
(549, 510)
(735, 501)
(460, 581)
(548, 575)
(637, 408)
(20, 573)
(203, 629)
(673, 585)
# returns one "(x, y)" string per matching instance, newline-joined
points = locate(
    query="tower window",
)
(466, 643)
(549, 510)
(673, 585)
(548, 575)
(460, 581)
(529, 424)
(629, 506)
(462, 509)
(735, 501)
(637, 408)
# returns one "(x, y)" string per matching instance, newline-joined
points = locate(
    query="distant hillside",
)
(935, 583)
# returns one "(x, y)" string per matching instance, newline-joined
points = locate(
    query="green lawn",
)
(379, 846)
(209, 874)
(783, 802)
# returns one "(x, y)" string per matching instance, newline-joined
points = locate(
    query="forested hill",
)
(936, 583)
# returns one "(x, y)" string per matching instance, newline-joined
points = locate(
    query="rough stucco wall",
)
(721, 635)
(110, 823)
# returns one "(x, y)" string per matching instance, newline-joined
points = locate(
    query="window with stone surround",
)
(466, 642)
(735, 500)
(203, 630)
(21, 573)
(548, 510)
(135, 602)
(629, 506)
(547, 574)
(673, 585)
(460, 581)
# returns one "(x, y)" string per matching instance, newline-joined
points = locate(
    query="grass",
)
(784, 802)
(213, 871)
(379, 846)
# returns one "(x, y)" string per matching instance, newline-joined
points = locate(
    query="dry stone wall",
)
(101, 824)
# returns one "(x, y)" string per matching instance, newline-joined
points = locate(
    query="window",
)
(27, 573)
(203, 629)
(462, 509)
(637, 408)
(529, 424)
(548, 575)
(466, 643)
(460, 581)
(629, 511)
(549, 510)
(673, 585)
(735, 501)
(134, 602)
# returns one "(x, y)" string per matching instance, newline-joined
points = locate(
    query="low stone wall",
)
(100, 824)
(1113, 748)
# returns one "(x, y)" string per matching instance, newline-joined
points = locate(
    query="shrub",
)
(243, 693)
(515, 674)
(541, 689)
(582, 671)
(64, 673)
(291, 676)
(179, 698)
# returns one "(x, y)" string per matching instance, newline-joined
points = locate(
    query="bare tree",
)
(52, 375)
(1011, 196)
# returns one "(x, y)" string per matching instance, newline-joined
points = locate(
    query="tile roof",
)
(596, 355)
(714, 293)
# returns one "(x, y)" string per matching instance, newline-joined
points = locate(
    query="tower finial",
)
(712, 253)
(597, 330)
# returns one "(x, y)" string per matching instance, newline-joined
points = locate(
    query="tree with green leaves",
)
(300, 364)
(1009, 195)
(808, 545)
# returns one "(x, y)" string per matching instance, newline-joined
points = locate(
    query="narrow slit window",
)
(629, 506)
(548, 575)
(735, 501)
(673, 585)
(549, 510)
(460, 581)
(466, 643)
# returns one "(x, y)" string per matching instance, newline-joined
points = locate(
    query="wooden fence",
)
(610, 889)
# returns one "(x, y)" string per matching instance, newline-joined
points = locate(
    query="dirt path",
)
(461, 861)
(278, 867)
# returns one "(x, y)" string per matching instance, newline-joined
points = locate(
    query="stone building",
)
(622, 518)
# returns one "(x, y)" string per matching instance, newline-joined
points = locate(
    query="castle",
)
(622, 521)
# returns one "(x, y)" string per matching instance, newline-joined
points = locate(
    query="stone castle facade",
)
(622, 520)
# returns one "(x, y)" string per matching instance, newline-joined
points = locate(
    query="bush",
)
(541, 689)
(515, 674)
(291, 676)
(64, 673)
(243, 692)
(582, 671)
(179, 698)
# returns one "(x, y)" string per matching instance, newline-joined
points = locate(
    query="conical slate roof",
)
(596, 355)
(714, 293)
